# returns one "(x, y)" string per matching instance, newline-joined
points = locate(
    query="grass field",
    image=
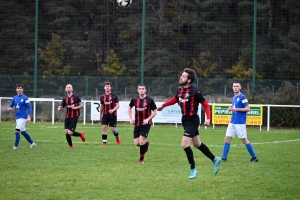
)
(90, 171)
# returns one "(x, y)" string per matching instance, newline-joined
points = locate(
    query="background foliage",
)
(213, 36)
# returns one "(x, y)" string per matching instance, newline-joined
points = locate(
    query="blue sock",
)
(226, 149)
(27, 137)
(116, 133)
(250, 150)
(17, 139)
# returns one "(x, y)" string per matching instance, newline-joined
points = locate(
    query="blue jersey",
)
(21, 104)
(239, 101)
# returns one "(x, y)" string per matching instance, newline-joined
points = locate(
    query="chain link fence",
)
(160, 88)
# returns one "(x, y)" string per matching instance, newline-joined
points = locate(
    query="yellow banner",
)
(221, 115)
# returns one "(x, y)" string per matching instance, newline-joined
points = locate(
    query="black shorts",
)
(190, 125)
(70, 123)
(141, 131)
(110, 120)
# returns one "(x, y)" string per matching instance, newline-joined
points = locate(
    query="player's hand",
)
(131, 121)
(28, 119)
(145, 121)
(207, 122)
(160, 108)
(9, 108)
(111, 111)
(59, 108)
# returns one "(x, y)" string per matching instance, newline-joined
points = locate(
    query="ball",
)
(124, 3)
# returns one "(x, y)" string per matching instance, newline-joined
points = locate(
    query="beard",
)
(183, 83)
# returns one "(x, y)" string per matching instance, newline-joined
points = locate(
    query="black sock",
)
(190, 156)
(69, 139)
(76, 134)
(143, 148)
(104, 138)
(205, 150)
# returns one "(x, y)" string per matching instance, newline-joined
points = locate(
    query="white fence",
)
(171, 117)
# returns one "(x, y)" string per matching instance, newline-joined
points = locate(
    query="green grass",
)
(90, 171)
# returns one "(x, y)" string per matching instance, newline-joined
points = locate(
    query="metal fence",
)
(161, 88)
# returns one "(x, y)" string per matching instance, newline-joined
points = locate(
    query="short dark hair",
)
(107, 83)
(19, 85)
(237, 82)
(141, 84)
(191, 74)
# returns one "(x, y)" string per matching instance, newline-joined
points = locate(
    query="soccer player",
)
(145, 110)
(73, 104)
(108, 113)
(188, 98)
(23, 111)
(237, 125)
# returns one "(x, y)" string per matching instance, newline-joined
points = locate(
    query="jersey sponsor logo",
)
(108, 103)
(182, 100)
(140, 109)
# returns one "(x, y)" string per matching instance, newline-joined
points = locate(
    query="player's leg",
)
(22, 123)
(72, 127)
(143, 143)
(242, 134)
(113, 127)
(17, 134)
(230, 133)
(68, 131)
(104, 122)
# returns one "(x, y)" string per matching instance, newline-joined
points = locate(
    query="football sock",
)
(250, 150)
(27, 136)
(17, 139)
(143, 148)
(205, 150)
(76, 134)
(116, 133)
(226, 149)
(142, 156)
(104, 138)
(190, 156)
(69, 139)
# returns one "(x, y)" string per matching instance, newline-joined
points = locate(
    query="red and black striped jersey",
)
(109, 102)
(68, 102)
(188, 99)
(143, 109)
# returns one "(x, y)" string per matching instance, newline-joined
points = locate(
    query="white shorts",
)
(236, 129)
(21, 124)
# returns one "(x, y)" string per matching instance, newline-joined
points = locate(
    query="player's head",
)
(107, 86)
(187, 77)
(19, 89)
(236, 87)
(69, 88)
(141, 89)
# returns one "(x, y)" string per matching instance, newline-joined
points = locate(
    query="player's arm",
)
(11, 105)
(62, 105)
(153, 113)
(206, 106)
(115, 108)
(80, 104)
(131, 104)
(245, 109)
(130, 115)
(171, 101)
(101, 111)
(29, 111)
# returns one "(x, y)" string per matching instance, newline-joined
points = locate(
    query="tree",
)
(52, 57)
